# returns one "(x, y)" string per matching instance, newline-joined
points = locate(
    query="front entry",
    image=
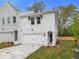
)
(16, 34)
(50, 38)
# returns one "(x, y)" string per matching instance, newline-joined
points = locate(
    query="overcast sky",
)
(23, 4)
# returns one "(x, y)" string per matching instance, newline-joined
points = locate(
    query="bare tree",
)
(63, 13)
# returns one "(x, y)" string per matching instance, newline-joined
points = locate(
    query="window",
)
(2, 20)
(28, 17)
(14, 19)
(41, 16)
(44, 34)
(8, 20)
(2, 28)
(32, 29)
(32, 21)
(38, 20)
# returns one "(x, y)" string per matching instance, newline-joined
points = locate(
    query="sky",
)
(23, 4)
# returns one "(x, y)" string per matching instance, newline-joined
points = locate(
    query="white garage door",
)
(6, 37)
(33, 39)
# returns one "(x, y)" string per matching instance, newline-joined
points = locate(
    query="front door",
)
(16, 34)
(50, 38)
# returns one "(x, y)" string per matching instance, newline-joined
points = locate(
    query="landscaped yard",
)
(62, 51)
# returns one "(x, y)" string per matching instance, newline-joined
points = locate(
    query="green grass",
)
(62, 51)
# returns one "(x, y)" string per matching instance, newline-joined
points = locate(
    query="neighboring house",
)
(8, 23)
(27, 27)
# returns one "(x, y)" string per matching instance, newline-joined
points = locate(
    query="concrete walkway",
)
(18, 52)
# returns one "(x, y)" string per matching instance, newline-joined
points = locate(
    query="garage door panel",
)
(6, 37)
(33, 39)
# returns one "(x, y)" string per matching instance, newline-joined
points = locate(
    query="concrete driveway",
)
(18, 52)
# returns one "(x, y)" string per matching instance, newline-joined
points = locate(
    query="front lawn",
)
(62, 51)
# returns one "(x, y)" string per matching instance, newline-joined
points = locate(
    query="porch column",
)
(46, 39)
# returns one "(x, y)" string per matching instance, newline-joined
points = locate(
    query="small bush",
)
(12, 43)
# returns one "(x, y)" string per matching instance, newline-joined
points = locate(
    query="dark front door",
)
(16, 35)
(50, 37)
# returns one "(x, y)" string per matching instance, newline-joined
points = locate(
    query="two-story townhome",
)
(8, 23)
(38, 28)
(27, 27)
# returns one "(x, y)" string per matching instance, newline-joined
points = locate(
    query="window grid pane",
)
(8, 20)
(32, 21)
(3, 21)
(14, 19)
(38, 20)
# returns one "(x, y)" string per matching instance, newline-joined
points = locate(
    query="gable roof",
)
(7, 3)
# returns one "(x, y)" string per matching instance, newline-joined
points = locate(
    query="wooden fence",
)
(66, 38)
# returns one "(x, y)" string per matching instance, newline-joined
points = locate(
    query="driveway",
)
(18, 52)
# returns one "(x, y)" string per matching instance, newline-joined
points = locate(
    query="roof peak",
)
(5, 1)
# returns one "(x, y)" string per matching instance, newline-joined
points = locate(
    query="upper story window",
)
(41, 16)
(29, 18)
(14, 19)
(2, 20)
(38, 20)
(8, 20)
(32, 21)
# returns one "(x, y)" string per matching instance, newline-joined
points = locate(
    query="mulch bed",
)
(6, 44)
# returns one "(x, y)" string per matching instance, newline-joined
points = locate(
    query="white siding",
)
(47, 24)
(7, 29)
